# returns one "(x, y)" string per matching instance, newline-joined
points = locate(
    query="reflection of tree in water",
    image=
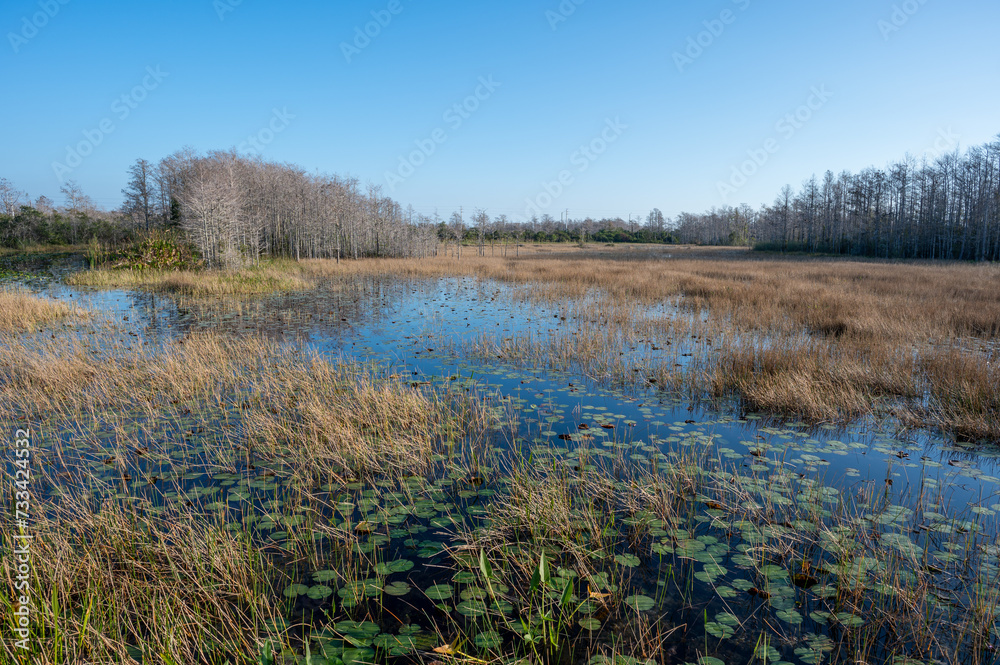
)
(153, 312)
(332, 311)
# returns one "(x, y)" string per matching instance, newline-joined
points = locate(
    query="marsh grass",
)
(22, 312)
(131, 559)
(966, 393)
(184, 576)
(827, 339)
(279, 276)
(116, 582)
(208, 485)
(805, 556)
(822, 381)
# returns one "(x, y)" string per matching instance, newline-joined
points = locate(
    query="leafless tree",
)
(241, 208)
(11, 198)
(141, 195)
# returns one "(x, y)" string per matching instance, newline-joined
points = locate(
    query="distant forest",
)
(947, 208)
(236, 209)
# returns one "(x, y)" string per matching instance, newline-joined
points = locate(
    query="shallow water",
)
(415, 328)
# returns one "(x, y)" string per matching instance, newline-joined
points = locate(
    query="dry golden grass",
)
(22, 312)
(818, 380)
(833, 338)
(247, 281)
(966, 393)
(311, 415)
(353, 421)
(902, 302)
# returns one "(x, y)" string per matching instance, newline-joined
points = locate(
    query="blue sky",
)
(883, 78)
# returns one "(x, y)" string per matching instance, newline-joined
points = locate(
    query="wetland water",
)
(832, 530)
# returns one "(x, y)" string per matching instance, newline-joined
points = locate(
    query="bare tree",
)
(11, 198)
(457, 226)
(482, 223)
(140, 194)
(947, 207)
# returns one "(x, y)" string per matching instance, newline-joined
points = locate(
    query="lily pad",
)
(296, 590)
(397, 566)
(319, 592)
(440, 592)
(640, 603)
(397, 589)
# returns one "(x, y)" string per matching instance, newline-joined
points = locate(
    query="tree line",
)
(25, 221)
(237, 209)
(947, 207)
(482, 229)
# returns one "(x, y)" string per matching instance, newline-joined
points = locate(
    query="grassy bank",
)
(269, 278)
(21, 311)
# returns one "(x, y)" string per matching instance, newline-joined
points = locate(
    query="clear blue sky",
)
(230, 64)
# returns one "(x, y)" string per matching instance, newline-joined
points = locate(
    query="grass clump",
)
(355, 422)
(814, 380)
(22, 312)
(241, 282)
(116, 583)
(966, 393)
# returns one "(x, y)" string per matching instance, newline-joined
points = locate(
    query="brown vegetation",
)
(824, 338)
(246, 281)
(22, 312)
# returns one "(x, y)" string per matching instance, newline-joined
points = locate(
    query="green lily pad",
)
(319, 592)
(471, 608)
(640, 603)
(627, 560)
(719, 630)
(296, 590)
(488, 640)
(325, 575)
(397, 589)
(440, 592)
(397, 566)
